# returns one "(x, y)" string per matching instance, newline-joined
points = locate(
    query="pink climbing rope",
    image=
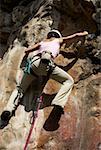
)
(33, 122)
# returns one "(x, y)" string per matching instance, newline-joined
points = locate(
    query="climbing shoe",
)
(52, 123)
(4, 119)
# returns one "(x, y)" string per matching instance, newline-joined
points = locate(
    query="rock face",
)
(26, 22)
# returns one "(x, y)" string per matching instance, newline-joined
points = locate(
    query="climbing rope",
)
(35, 115)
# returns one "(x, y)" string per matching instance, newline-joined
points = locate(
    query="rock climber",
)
(42, 64)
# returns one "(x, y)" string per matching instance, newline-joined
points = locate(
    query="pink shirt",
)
(52, 46)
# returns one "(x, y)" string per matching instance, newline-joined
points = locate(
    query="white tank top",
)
(52, 46)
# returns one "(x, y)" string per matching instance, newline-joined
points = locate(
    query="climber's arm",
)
(32, 48)
(72, 38)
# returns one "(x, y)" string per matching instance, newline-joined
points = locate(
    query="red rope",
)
(32, 125)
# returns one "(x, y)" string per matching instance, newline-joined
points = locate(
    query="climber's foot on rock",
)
(4, 118)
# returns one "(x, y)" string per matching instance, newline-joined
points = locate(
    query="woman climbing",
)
(42, 64)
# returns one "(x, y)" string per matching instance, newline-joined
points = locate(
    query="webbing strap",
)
(33, 122)
(29, 63)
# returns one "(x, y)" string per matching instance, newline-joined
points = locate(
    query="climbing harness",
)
(45, 57)
(35, 115)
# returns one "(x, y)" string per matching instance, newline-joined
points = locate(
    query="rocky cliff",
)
(26, 22)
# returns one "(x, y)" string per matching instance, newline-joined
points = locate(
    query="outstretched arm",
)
(32, 48)
(74, 37)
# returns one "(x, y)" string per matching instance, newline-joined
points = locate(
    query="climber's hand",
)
(82, 33)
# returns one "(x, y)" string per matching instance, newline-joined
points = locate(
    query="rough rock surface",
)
(26, 22)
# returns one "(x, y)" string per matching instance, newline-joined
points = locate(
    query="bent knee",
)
(69, 82)
(72, 80)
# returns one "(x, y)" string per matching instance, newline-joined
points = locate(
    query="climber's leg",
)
(67, 83)
(18, 92)
(37, 70)
(52, 123)
(14, 100)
